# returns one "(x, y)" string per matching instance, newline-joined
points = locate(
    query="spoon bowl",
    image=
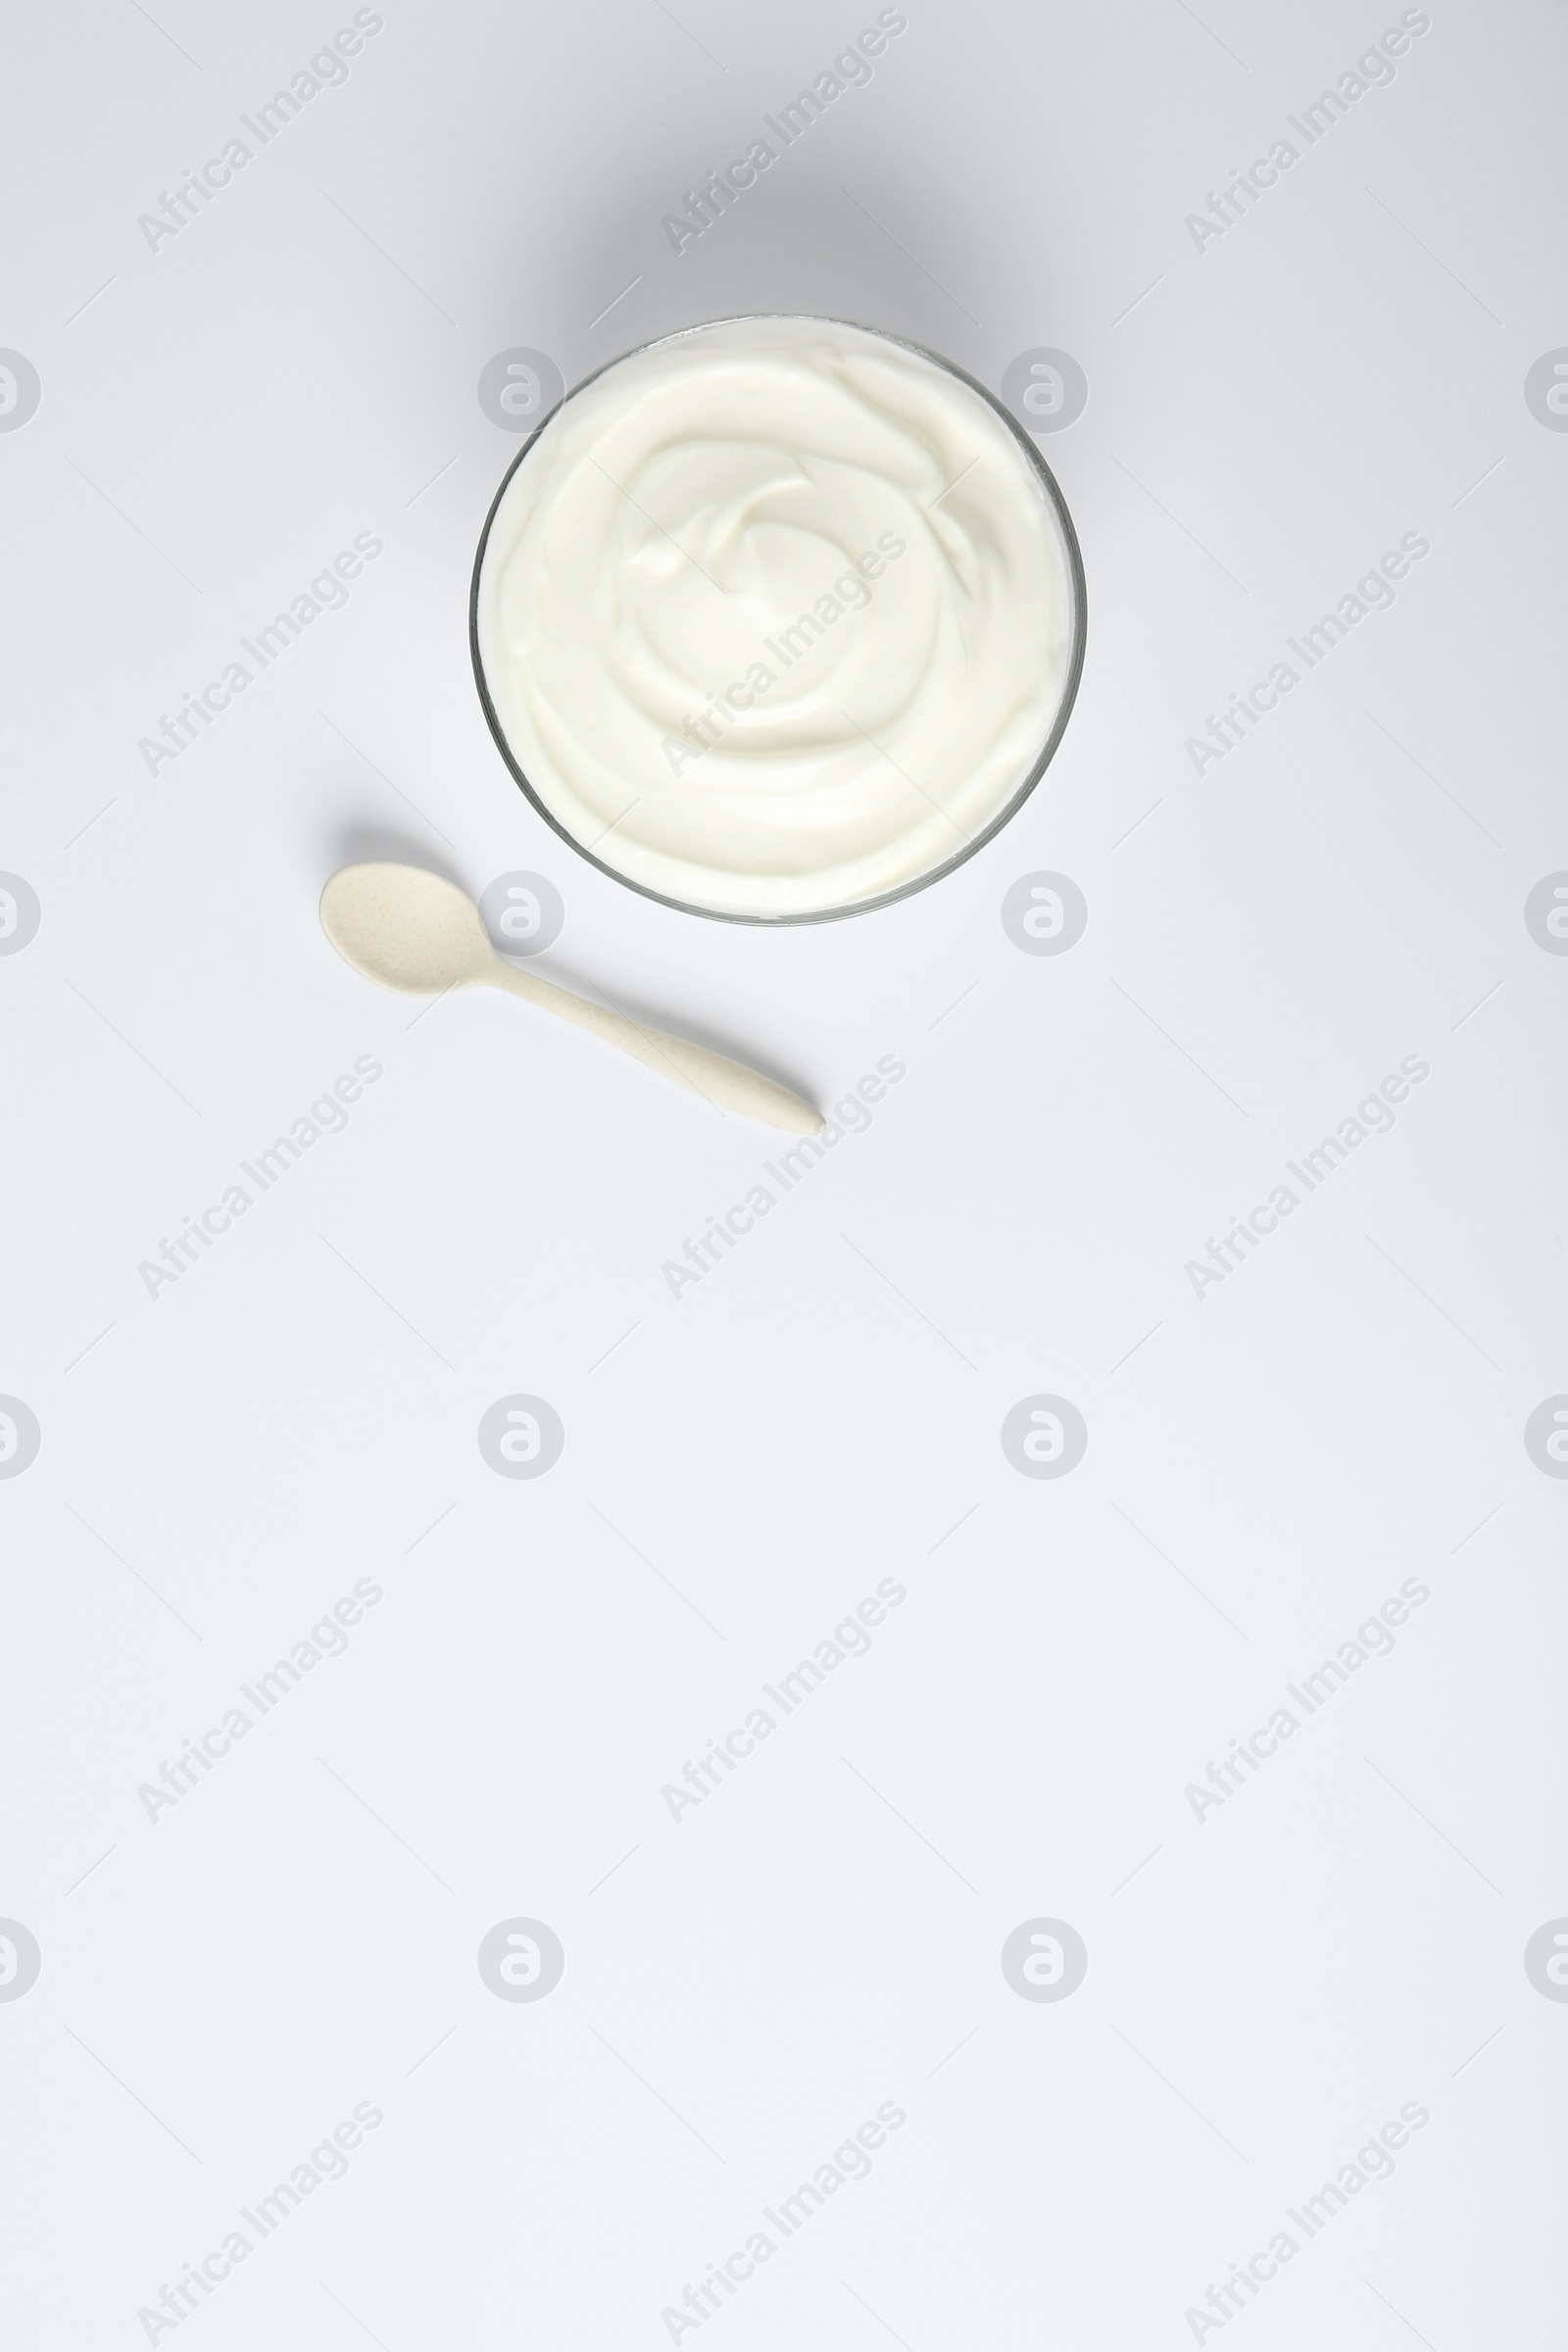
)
(405, 928)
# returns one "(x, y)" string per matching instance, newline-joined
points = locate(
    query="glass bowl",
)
(1072, 565)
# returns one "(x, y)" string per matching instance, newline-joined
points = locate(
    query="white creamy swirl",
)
(775, 615)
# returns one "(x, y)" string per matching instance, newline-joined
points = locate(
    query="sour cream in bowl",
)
(778, 619)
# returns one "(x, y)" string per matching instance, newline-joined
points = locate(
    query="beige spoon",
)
(410, 930)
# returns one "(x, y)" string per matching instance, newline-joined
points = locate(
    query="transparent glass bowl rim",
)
(1069, 692)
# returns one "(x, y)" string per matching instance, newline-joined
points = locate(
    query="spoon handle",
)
(727, 1084)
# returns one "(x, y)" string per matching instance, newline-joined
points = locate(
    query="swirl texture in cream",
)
(775, 616)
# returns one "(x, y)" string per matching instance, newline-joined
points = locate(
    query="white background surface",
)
(227, 1459)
